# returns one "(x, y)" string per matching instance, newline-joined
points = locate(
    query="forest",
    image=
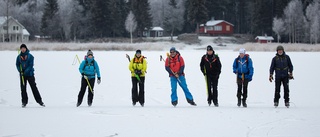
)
(294, 21)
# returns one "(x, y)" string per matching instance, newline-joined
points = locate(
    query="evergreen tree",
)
(197, 13)
(262, 17)
(100, 18)
(141, 10)
(118, 12)
(50, 20)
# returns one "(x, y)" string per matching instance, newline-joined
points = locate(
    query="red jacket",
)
(175, 65)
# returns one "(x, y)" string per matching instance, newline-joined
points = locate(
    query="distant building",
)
(264, 39)
(153, 32)
(12, 31)
(216, 27)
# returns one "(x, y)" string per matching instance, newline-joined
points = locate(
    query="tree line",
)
(71, 20)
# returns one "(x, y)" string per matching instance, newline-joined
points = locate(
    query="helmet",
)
(280, 48)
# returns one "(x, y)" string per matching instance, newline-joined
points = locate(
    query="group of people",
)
(210, 66)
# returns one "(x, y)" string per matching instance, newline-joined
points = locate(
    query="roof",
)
(25, 32)
(157, 29)
(215, 22)
(264, 38)
(2, 19)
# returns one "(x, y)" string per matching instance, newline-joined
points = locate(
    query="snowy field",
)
(112, 114)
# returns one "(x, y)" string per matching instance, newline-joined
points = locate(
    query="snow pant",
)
(182, 83)
(212, 89)
(242, 89)
(285, 82)
(84, 85)
(137, 96)
(33, 85)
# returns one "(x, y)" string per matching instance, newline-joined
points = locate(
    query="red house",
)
(264, 39)
(216, 27)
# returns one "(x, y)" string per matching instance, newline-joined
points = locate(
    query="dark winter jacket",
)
(281, 65)
(243, 65)
(24, 63)
(210, 65)
(90, 68)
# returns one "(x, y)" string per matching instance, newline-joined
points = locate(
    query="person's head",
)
(89, 54)
(242, 52)
(23, 48)
(138, 53)
(210, 50)
(280, 50)
(173, 51)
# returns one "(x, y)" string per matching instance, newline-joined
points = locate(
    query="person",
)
(210, 66)
(281, 64)
(243, 68)
(24, 64)
(174, 65)
(88, 68)
(138, 68)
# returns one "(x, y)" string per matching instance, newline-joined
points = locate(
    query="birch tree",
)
(131, 24)
(278, 27)
(313, 17)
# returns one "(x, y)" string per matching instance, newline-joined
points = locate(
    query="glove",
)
(85, 76)
(138, 72)
(204, 74)
(270, 78)
(21, 73)
(99, 80)
(235, 72)
(290, 76)
(176, 75)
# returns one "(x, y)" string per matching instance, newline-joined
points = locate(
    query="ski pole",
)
(86, 78)
(206, 78)
(22, 77)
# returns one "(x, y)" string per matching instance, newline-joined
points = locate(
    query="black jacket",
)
(210, 65)
(281, 65)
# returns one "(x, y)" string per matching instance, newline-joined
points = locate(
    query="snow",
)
(113, 115)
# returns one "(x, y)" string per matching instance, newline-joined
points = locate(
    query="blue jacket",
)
(89, 67)
(243, 65)
(24, 61)
(281, 64)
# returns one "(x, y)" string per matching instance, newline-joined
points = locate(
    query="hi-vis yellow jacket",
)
(138, 64)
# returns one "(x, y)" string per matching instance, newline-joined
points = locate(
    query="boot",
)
(287, 104)
(244, 104)
(239, 102)
(276, 104)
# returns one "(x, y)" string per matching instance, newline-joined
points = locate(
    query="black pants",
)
(33, 85)
(137, 97)
(285, 82)
(84, 85)
(242, 88)
(212, 87)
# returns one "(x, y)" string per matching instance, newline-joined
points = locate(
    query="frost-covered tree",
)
(313, 17)
(294, 21)
(173, 17)
(131, 24)
(278, 27)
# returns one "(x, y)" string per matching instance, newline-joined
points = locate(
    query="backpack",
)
(89, 64)
(246, 61)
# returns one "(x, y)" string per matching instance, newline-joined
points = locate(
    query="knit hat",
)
(280, 48)
(89, 52)
(242, 50)
(173, 49)
(138, 51)
(23, 46)
(209, 48)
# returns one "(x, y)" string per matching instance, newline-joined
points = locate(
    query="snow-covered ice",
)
(113, 115)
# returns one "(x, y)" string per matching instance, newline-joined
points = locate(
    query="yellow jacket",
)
(138, 64)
